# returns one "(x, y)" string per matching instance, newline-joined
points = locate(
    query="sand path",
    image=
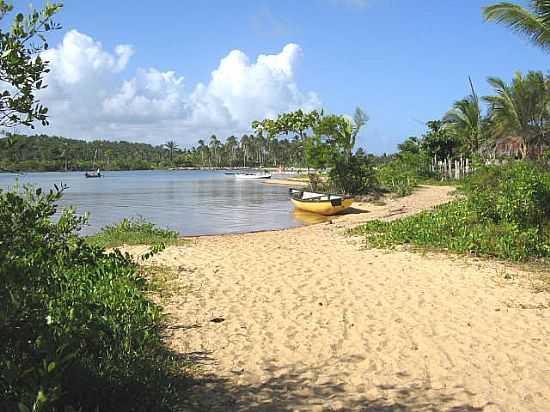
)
(311, 321)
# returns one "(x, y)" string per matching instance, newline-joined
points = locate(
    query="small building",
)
(513, 147)
(509, 146)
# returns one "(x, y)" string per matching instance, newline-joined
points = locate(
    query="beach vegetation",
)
(353, 174)
(79, 331)
(134, 231)
(404, 172)
(503, 211)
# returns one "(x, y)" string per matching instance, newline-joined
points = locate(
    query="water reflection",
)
(308, 218)
(191, 202)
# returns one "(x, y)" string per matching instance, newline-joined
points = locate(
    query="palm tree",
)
(521, 109)
(172, 146)
(201, 150)
(245, 146)
(534, 23)
(466, 121)
(215, 146)
(231, 145)
(360, 119)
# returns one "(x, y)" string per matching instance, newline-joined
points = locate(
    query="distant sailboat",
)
(97, 173)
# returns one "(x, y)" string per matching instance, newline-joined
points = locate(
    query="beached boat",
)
(323, 203)
(252, 175)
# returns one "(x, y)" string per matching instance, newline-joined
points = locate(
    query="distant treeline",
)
(54, 153)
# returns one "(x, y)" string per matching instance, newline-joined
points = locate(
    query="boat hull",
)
(252, 176)
(322, 207)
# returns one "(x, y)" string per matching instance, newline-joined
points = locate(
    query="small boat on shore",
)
(252, 175)
(322, 203)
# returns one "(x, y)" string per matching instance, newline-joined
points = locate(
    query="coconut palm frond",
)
(534, 24)
(465, 121)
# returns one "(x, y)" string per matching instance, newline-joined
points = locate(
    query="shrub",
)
(505, 213)
(317, 183)
(402, 174)
(134, 231)
(352, 175)
(517, 193)
(77, 328)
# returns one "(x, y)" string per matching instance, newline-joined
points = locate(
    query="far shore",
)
(274, 170)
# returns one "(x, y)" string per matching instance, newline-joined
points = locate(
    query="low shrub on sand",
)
(134, 231)
(504, 212)
(78, 329)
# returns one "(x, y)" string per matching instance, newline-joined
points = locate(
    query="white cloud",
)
(89, 94)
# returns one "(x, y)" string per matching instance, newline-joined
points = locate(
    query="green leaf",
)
(22, 407)
(51, 367)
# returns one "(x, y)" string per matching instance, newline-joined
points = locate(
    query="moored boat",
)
(252, 175)
(97, 173)
(327, 204)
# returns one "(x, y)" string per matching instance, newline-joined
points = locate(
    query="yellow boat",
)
(322, 203)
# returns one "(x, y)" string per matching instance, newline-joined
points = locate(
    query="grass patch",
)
(162, 281)
(134, 231)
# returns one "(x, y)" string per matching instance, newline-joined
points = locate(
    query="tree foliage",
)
(533, 23)
(466, 121)
(49, 153)
(440, 142)
(21, 67)
(521, 109)
(77, 328)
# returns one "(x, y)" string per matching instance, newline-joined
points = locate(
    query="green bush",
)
(516, 193)
(134, 231)
(77, 328)
(504, 213)
(402, 174)
(352, 175)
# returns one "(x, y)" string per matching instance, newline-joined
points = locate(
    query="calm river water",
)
(191, 202)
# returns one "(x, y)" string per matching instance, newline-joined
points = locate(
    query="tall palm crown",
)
(171, 146)
(521, 108)
(466, 120)
(533, 23)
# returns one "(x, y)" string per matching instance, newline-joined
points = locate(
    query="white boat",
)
(252, 175)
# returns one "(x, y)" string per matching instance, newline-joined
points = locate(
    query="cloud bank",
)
(90, 95)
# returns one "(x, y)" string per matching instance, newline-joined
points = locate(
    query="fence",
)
(449, 169)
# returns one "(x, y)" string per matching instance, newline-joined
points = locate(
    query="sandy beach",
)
(307, 319)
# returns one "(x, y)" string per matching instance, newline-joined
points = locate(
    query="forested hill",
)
(52, 153)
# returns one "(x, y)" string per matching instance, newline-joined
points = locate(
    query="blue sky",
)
(403, 61)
